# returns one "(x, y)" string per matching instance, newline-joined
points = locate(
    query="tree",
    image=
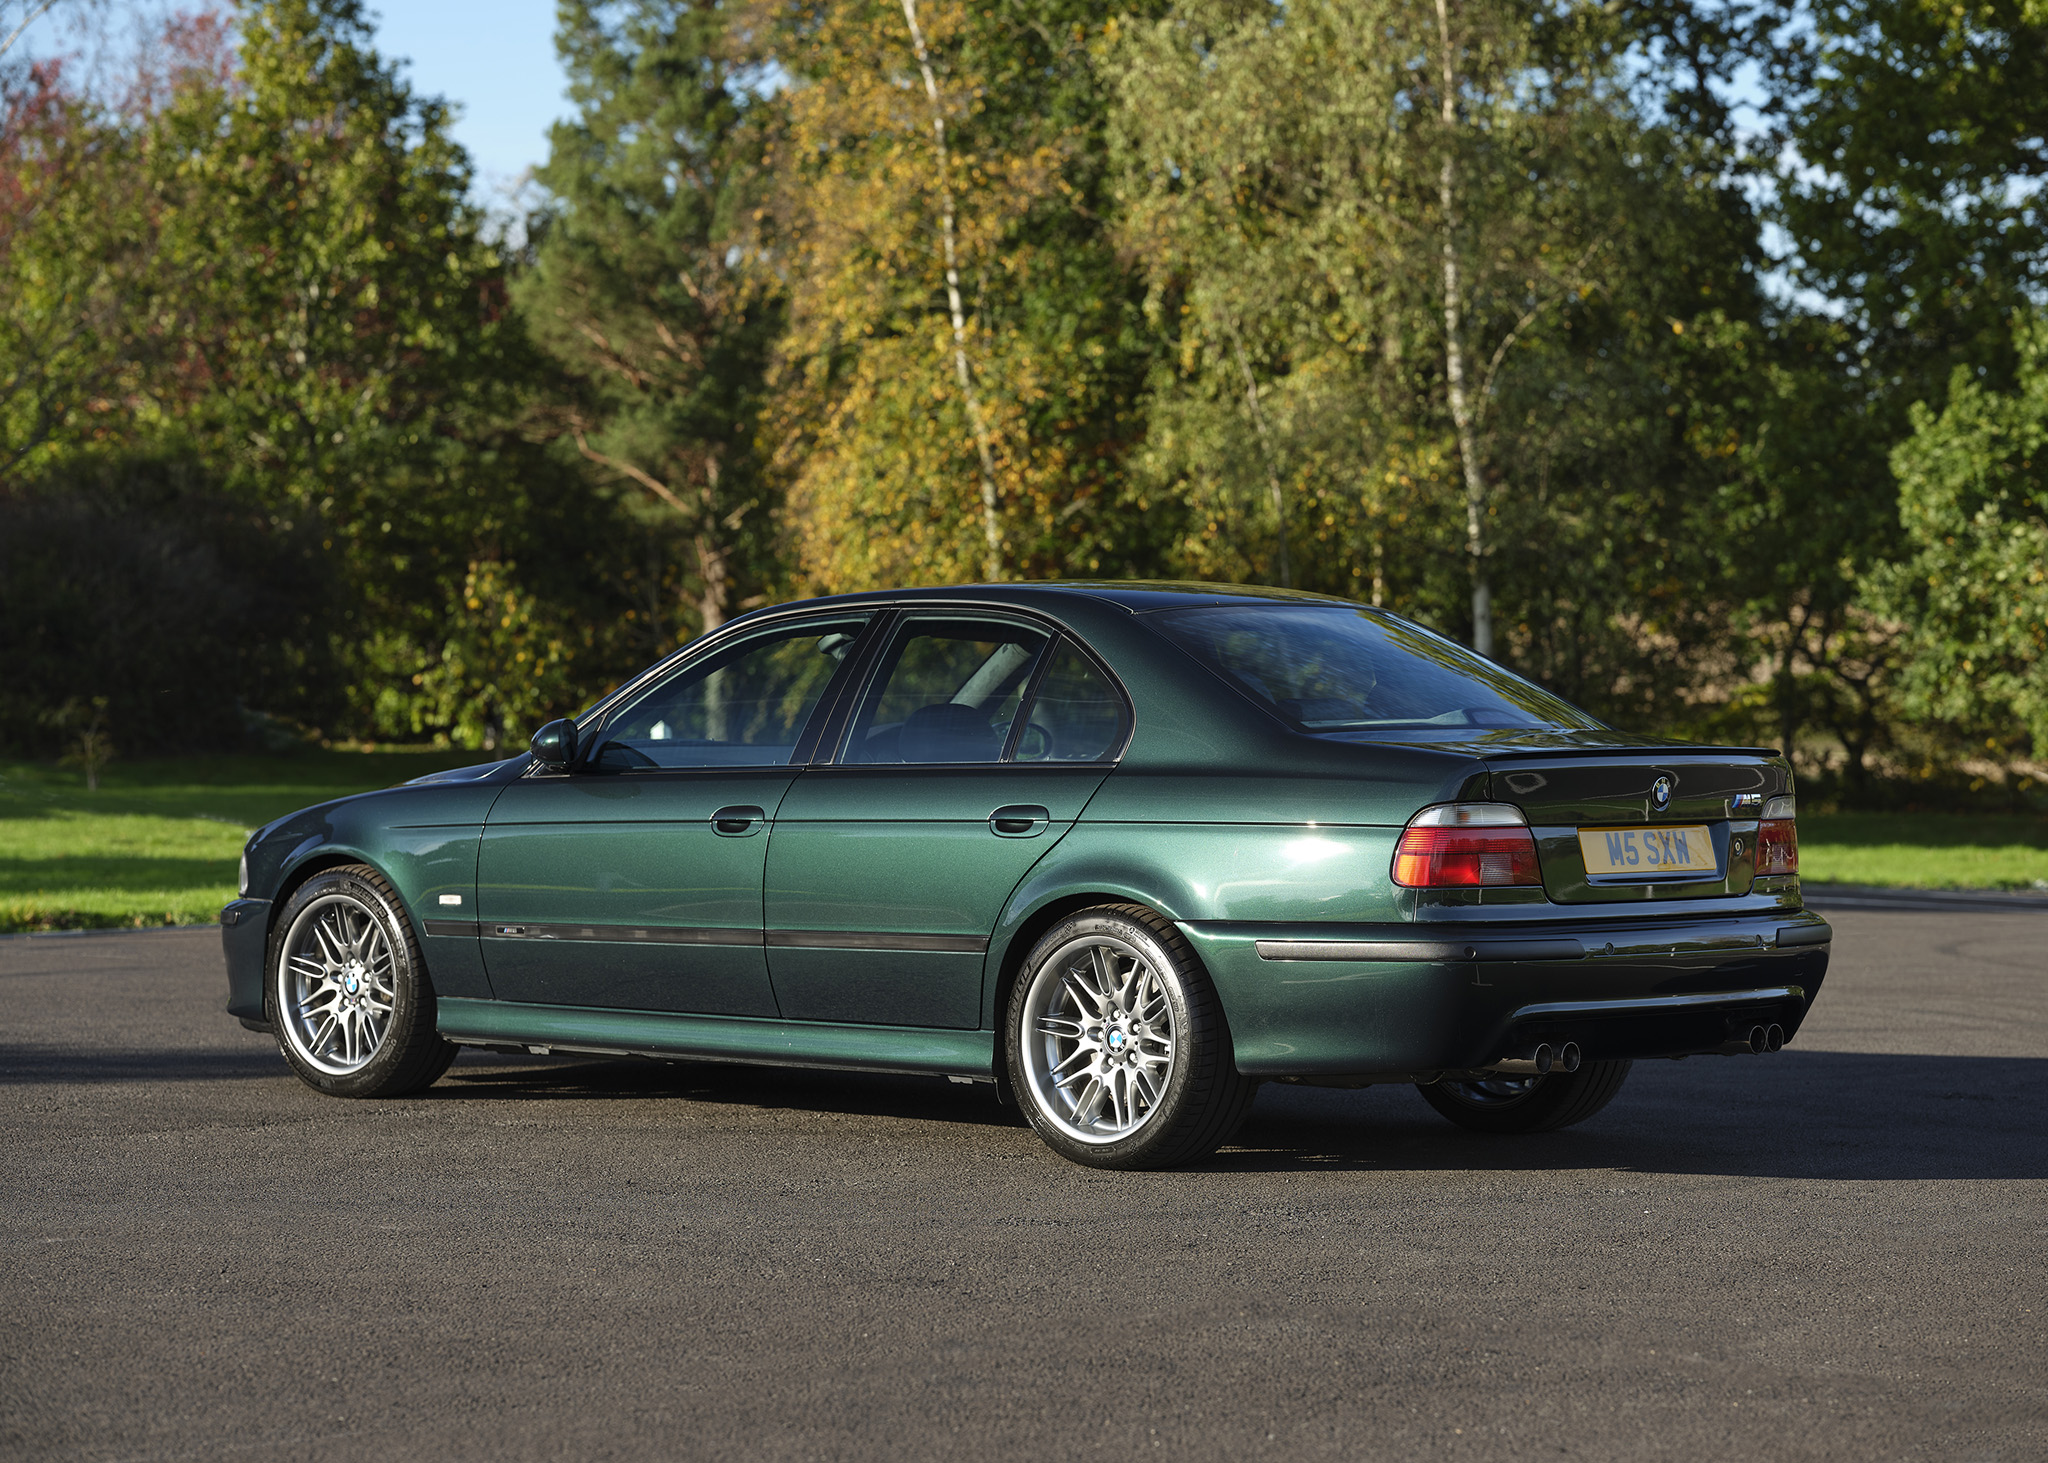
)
(91, 302)
(956, 389)
(1407, 246)
(639, 286)
(353, 362)
(1920, 135)
(1972, 588)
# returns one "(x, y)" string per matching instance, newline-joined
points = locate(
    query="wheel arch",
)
(1023, 934)
(318, 862)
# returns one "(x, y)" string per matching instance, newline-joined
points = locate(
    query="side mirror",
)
(554, 745)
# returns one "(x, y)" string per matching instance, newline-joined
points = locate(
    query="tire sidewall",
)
(1162, 1131)
(1554, 1102)
(413, 1001)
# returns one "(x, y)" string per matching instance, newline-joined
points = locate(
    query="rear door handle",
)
(1019, 820)
(738, 822)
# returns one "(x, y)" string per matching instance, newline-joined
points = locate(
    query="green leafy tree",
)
(91, 301)
(1922, 135)
(956, 392)
(353, 362)
(1972, 589)
(1430, 274)
(640, 289)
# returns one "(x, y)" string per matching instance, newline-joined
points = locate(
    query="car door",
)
(633, 880)
(974, 746)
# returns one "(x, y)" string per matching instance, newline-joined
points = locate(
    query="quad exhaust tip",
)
(1757, 1040)
(1544, 1060)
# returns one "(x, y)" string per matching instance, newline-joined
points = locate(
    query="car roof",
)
(1136, 596)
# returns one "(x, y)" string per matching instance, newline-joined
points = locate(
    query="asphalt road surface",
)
(1835, 1252)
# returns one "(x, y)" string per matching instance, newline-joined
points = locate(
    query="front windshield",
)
(1333, 669)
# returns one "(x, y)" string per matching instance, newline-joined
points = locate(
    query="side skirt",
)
(914, 1050)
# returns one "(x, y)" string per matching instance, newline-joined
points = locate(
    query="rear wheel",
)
(1117, 1047)
(1527, 1104)
(347, 992)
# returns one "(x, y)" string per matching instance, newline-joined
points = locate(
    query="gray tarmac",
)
(1835, 1252)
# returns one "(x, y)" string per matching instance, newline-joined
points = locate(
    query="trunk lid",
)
(1630, 797)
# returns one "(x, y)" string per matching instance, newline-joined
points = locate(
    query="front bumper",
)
(244, 938)
(1358, 1000)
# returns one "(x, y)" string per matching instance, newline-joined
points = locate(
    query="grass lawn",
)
(157, 843)
(1925, 850)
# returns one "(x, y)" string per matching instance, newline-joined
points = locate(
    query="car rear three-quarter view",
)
(1125, 851)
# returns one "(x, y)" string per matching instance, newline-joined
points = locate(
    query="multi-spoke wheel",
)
(348, 994)
(1117, 1046)
(1527, 1104)
(340, 984)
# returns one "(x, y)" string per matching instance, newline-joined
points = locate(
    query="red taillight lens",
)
(1777, 847)
(1465, 858)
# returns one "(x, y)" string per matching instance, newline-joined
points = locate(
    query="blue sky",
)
(496, 60)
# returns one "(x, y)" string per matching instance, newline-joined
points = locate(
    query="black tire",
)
(1529, 1104)
(1197, 1099)
(343, 948)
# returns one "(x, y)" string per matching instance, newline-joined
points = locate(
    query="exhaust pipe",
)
(1757, 1040)
(1542, 1061)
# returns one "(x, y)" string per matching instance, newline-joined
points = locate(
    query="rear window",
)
(1336, 669)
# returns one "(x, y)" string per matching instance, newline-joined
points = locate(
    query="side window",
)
(744, 707)
(1075, 714)
(946, 691)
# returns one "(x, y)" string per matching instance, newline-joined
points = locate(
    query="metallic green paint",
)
(634, 850)
(905, 850)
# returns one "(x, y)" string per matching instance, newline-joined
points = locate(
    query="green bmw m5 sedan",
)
(1123, 850)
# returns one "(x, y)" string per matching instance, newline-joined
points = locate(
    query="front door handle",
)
(1019, 820)
(738, 822)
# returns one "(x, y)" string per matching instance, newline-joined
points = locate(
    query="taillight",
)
(1777, 838)
(1466, 846)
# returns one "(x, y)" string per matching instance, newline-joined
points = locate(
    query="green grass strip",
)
(158, 842)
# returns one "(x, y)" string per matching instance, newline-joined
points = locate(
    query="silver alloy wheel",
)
(1098, 1039)
(337, 984)
(1492, 1091)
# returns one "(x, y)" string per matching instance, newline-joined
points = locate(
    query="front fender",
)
(422, 838)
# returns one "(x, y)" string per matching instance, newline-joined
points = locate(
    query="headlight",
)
(242, 876)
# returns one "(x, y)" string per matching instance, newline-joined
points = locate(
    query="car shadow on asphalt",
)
(1797, 1114)
(860, 1094)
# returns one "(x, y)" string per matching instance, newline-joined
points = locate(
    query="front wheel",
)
(1117, 1047)
(347, 992)
(1527, 1104)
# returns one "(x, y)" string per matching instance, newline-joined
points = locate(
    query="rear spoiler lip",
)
(1668, 752)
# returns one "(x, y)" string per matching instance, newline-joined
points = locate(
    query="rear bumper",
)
(1338, 1000)
(244, 936)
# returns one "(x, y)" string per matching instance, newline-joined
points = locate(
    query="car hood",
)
(464, 774)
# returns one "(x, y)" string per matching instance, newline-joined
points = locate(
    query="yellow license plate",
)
(1680, 849)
